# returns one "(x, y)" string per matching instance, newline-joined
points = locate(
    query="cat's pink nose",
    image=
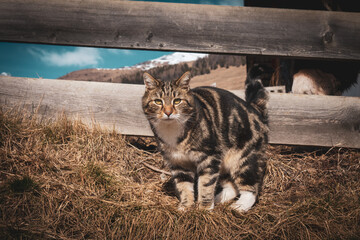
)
(168, 111)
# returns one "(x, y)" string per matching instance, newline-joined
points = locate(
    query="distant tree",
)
(185, 67)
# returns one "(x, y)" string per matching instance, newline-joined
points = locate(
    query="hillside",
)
(227, 71)
(227, 78)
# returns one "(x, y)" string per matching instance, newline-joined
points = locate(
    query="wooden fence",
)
(294, 119)
(182, 27)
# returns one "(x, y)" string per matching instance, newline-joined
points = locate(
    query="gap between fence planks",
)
(183, 27)
(294, 119)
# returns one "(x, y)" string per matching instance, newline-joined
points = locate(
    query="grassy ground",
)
(63, 180)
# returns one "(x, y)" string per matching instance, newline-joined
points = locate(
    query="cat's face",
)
(166, 102)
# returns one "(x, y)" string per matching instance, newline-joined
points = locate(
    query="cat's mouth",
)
(168, 119)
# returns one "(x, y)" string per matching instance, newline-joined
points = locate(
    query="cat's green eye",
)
(158, 101)
(177, 101)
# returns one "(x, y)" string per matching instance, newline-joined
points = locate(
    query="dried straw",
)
(64, 180)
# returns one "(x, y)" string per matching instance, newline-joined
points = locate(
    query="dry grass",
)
(63, 180)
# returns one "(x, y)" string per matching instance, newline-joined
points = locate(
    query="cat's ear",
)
(150, 81)
(183, 81)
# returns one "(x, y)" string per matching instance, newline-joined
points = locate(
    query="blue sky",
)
(50, 61)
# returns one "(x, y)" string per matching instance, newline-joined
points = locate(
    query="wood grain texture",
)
(182, 27)
(294, 119)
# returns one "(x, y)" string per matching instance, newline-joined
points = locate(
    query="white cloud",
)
(5, 74)
(80, 56)
(120, 51)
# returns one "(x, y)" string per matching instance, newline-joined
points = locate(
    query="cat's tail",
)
(255, 92)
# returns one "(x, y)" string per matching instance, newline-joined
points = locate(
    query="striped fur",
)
(213, 142)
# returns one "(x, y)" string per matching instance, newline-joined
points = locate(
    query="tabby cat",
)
(213, 142)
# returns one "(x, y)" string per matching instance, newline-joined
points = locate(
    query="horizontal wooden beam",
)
(294, 119)
(182, 27)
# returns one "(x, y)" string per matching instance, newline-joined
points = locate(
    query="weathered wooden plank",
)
(112, 105)
(182, 27)
(294, 119)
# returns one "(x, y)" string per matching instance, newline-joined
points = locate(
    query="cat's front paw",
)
(208, 207)
(183, 208)
(245, 202)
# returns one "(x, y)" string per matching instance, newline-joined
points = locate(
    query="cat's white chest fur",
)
(169, 131)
